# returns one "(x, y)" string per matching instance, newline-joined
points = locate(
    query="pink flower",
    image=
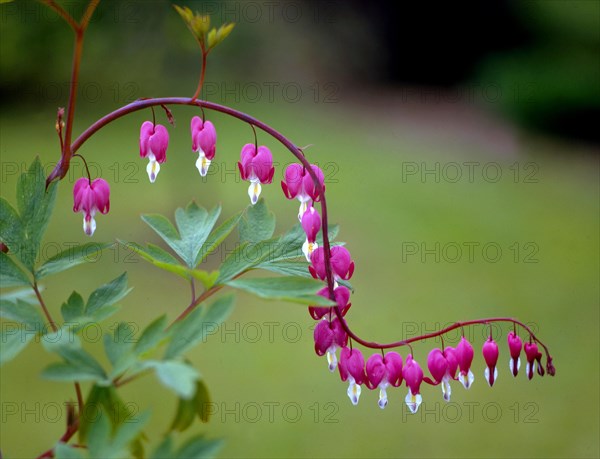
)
(311, 224)
(352, 369)
(154, 141)
(329, 336)
(342, 297)
(204, 141)
(464, 356)
(88, 198)
(413, 375)
(514, 346)
(383, 371)
(299, 184)
(442, 366)
(490, 354)
(533, 355)
(341, 263)
(256, 166)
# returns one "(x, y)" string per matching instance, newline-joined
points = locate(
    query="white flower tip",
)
(466, 379)
(331, 360)
(254, 191)
(153, 168)
(354, 392)
(487, 376)
(383, 400)
(303, 208)
(202, 164)
(89, 226)
(446, 390)
(413, 401)
(511, 364)
(308, 248)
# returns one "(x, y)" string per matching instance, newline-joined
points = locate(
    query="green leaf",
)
(294, 268)
(151, 336)
(202, 399)
(159, 258)
(164, 228)
(257, 223)
(74, 308)
(178, 376)
(197, 325)
(207, 279)
(199, 448)
(35, 205)
(294, 289)
(104, 402)
(164, 450)
(62, 371)
(107, 294)
(78, 363)
(10, 273)
(25, 295)
(64, 451)
(187, 409)
(246, 256)
(288, 268)
(164, 260)
(12, 341)
(217, 236)
(71, 257)
(11, 228)
(194, 224)
(24, 313)
(119, 348)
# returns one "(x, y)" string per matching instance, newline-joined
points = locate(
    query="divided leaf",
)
(197, 325)
(71, 257)
(194, 224)
(11, 274)
(293, 289)
(257, 223)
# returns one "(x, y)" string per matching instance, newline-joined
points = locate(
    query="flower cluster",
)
(381, 371)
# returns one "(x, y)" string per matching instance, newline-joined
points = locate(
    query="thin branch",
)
(44, 308)
(89, 11)
(202, 73)
(62, 13)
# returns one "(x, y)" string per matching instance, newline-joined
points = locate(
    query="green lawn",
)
(273, 397)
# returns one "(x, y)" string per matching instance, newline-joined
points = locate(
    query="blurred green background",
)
(423, 152)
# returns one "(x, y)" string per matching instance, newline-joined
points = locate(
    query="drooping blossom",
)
(490, 354)
(329, 336)
(413, 375)
(442, 366)
(383, 371)
(154, 141)
(256, 166)
(299, 184)
(89, 198)
(514, 346)
(341, 263)
(352, 369)
(464, 356)
(311, 224)
(342, 298)
(204, 141)
(534, 360)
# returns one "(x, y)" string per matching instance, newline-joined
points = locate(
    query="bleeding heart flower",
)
(413, 375)
(514, 346)
(464, 356)
(89, 198)
(352, 369)
(299, 184)
(154, 141)
(383, 371)
(256, 166)
(311, 224)
(204, 142)
(490, 354)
